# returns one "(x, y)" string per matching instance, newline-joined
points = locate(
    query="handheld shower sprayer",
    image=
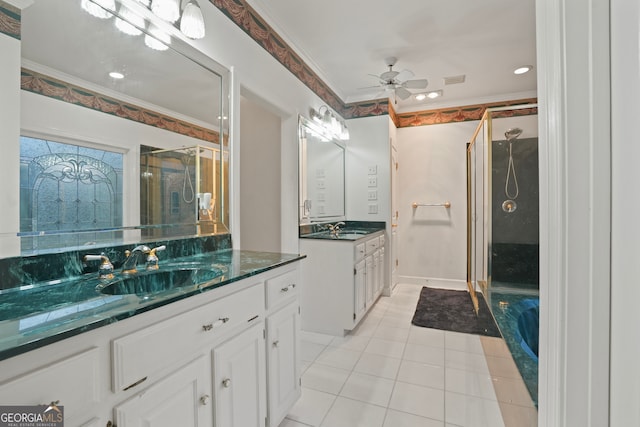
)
(510, 204)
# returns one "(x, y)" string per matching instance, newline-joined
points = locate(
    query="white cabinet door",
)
(360, 292)
(283, 361)
(239, 380)
(181, 399)
(370, 278)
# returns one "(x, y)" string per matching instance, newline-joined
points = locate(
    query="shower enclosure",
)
(503, 228)
(180, 191)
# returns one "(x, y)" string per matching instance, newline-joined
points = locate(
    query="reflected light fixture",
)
(332, 125)
(522, 70)
(157, 39)
(99, 8)
(116, 75)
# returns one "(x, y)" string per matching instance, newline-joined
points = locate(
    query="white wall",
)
(368, 145)
(432, 169)
(259, 178)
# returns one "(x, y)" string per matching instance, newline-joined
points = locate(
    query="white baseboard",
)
(432, 282)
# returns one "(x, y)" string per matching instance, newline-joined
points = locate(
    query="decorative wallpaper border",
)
(57, 89)
(10, 20)
(462, 114)
(243, 15)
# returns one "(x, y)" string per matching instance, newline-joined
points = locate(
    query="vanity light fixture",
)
(192, 21)
(522, 70)
(168, 10)
(131, 23)
(332, 125)
(157, 39)
(189, 20)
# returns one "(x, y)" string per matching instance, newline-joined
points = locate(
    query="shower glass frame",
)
(479, 197)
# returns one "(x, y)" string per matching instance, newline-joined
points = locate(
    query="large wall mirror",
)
(124, 130)
(322, 175)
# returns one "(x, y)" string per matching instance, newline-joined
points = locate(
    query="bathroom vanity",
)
(222, 354)
(343, 277)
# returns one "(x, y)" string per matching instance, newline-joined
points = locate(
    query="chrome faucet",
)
(129, 266)
(335, 228)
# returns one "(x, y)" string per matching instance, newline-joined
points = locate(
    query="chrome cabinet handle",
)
(276, 343)
(226, 383)
(288, 288)
(204, 400)
(210, 326)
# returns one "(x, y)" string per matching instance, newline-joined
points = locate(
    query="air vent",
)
(454, 80)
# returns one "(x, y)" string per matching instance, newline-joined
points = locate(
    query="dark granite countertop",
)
(42, 313)
(350, 231)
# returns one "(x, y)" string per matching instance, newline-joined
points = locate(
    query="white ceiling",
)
(345, 41)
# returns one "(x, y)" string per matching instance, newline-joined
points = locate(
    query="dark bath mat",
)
(453, 311)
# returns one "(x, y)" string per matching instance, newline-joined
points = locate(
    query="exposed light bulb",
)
(157, 39)
(130, 23)
(99, 8)
(192, 21)
(169, 10)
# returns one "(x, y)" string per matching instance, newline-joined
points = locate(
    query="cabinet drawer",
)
(372, 245)
(381, 240)
(73, 381)
(142, 355)
(360, 251)
(281, 288)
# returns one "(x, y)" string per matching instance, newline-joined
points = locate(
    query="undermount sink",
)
(151, 282)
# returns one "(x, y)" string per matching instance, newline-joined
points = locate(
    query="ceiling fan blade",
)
(369, 87)
(403, 75)
(402, 93)
(416, 84)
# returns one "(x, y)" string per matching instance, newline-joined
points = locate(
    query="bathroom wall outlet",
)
(320, 209)
(319, 173)
(373, 195)
(373, 181)
(320, 196)
(373, 170)
(373, 208)
(320, 183)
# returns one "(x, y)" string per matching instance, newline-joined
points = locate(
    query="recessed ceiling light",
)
(116, 75)
(434, 94)
(523, 69)
(420, 96)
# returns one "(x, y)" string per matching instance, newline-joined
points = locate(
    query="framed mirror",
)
(321, 175)
(94, 90)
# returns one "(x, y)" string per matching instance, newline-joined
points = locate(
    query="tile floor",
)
(389, 373)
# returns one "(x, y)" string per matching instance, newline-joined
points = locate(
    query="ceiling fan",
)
(398, 81)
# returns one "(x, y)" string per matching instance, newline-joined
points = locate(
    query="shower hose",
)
(511, 171)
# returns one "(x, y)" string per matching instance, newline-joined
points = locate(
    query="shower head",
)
(512, 134)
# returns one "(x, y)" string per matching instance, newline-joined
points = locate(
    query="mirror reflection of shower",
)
(510, 204)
